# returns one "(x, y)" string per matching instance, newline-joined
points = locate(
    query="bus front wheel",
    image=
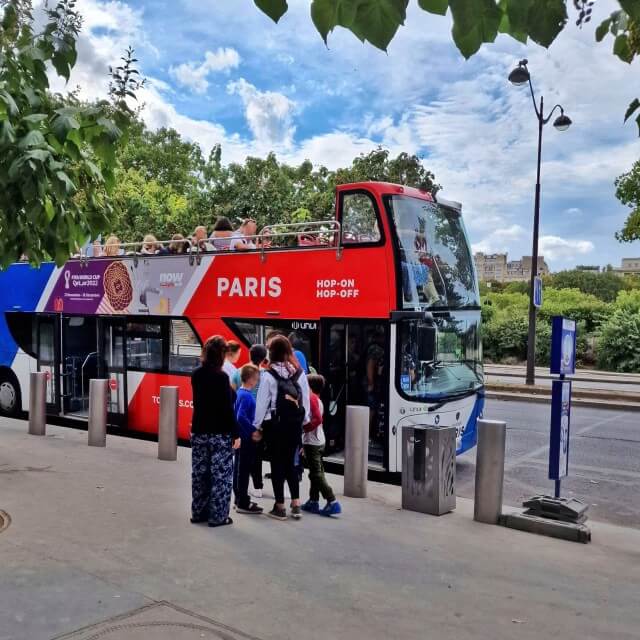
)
(10, 399)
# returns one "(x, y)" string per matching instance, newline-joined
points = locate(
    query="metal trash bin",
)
(429, 469)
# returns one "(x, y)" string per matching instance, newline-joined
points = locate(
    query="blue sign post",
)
(563, 362)
(537, 292)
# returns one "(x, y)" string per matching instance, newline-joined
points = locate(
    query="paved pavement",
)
(604, 462)
(101, 537)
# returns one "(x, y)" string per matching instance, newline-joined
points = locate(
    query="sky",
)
(222, 72)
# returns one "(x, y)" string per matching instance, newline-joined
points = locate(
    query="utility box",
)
(429, 469)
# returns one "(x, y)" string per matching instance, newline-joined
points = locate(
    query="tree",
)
(474, 22)
(628, 192)
(57, 155)
(604, 286)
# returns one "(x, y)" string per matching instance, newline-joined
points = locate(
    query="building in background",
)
(497, 268)
(628, 267)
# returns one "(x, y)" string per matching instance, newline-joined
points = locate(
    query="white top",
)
(268, 393)
(316, 437)
(231, 242)
(230, 370)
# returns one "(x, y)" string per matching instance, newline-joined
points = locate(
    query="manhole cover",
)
(172, 630)
(5, 520)
(159, 621)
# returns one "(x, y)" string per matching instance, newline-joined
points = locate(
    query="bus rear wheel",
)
(10, 399)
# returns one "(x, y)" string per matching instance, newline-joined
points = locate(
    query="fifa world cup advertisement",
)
(119, 287)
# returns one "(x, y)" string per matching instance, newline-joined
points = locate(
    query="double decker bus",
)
(382, 300)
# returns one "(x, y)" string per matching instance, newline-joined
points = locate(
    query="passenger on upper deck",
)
(222, 234)
(178, 244)
(224, 237)
(245, 236)
(151, 246)
(199, 240)
(112, 247)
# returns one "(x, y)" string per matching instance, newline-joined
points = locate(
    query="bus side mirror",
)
(427, 343)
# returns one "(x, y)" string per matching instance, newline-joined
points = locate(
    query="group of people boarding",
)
(269, 408)
(223, 237)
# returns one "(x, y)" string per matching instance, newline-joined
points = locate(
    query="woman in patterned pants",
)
(214, 435)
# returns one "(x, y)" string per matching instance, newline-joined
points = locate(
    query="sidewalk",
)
(101, 537)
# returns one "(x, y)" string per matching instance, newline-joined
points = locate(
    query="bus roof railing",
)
(316, 233)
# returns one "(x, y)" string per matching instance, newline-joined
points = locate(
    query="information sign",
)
(563, 346)
(537, 292)
(560, 420)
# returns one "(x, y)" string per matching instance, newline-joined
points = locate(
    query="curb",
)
(576, 402)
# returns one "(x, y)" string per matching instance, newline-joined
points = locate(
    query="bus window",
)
(359, 220)
(144, 346)
(435, 258)
(184, 348)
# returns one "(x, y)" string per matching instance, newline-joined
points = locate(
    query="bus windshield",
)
(435, 260)
(440, 358)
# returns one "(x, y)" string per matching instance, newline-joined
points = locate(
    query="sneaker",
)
(331, 509)
(278, 514)
(255, 493)
(311, 506)
(252, 509)
(296, 512)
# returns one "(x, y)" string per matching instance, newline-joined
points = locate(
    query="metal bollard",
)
(356, 452)
(38, 403)
(98, 394)
(489, 471)
(168, 424)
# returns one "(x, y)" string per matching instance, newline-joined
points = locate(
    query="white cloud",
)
(555, 248)
(269, 114)
(195, 76)
(500, 240)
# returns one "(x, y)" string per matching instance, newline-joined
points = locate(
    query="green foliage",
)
(629, 300)
(573, 303)
(517, 287)
(604, 286)
(57, 156)
(628, 192)
(505, 323)
(619, 342)
(164, 185)
(474, 22)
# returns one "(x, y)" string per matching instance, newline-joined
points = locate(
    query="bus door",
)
(112, 360)
(79, 361)
(47, 329)
(355, 363)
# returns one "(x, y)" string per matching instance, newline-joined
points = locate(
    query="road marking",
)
(536, 452)
(603, 471)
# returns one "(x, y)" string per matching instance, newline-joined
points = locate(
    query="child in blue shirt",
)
(245, 409)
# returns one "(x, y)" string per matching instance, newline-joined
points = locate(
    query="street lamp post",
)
(521, 76)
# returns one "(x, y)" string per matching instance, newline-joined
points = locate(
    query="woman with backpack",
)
(282, 407)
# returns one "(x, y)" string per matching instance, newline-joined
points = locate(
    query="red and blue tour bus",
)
(383, 301)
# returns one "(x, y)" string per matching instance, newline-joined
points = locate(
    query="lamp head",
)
(562, 122)
(520, 75)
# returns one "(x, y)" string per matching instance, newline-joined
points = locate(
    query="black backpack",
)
(289, 408)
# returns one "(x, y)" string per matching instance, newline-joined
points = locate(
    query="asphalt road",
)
(604, 463)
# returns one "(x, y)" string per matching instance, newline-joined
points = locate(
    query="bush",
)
(505, 338)
(618, 344)
(604, 286)
(572, 303)
(628, 300)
